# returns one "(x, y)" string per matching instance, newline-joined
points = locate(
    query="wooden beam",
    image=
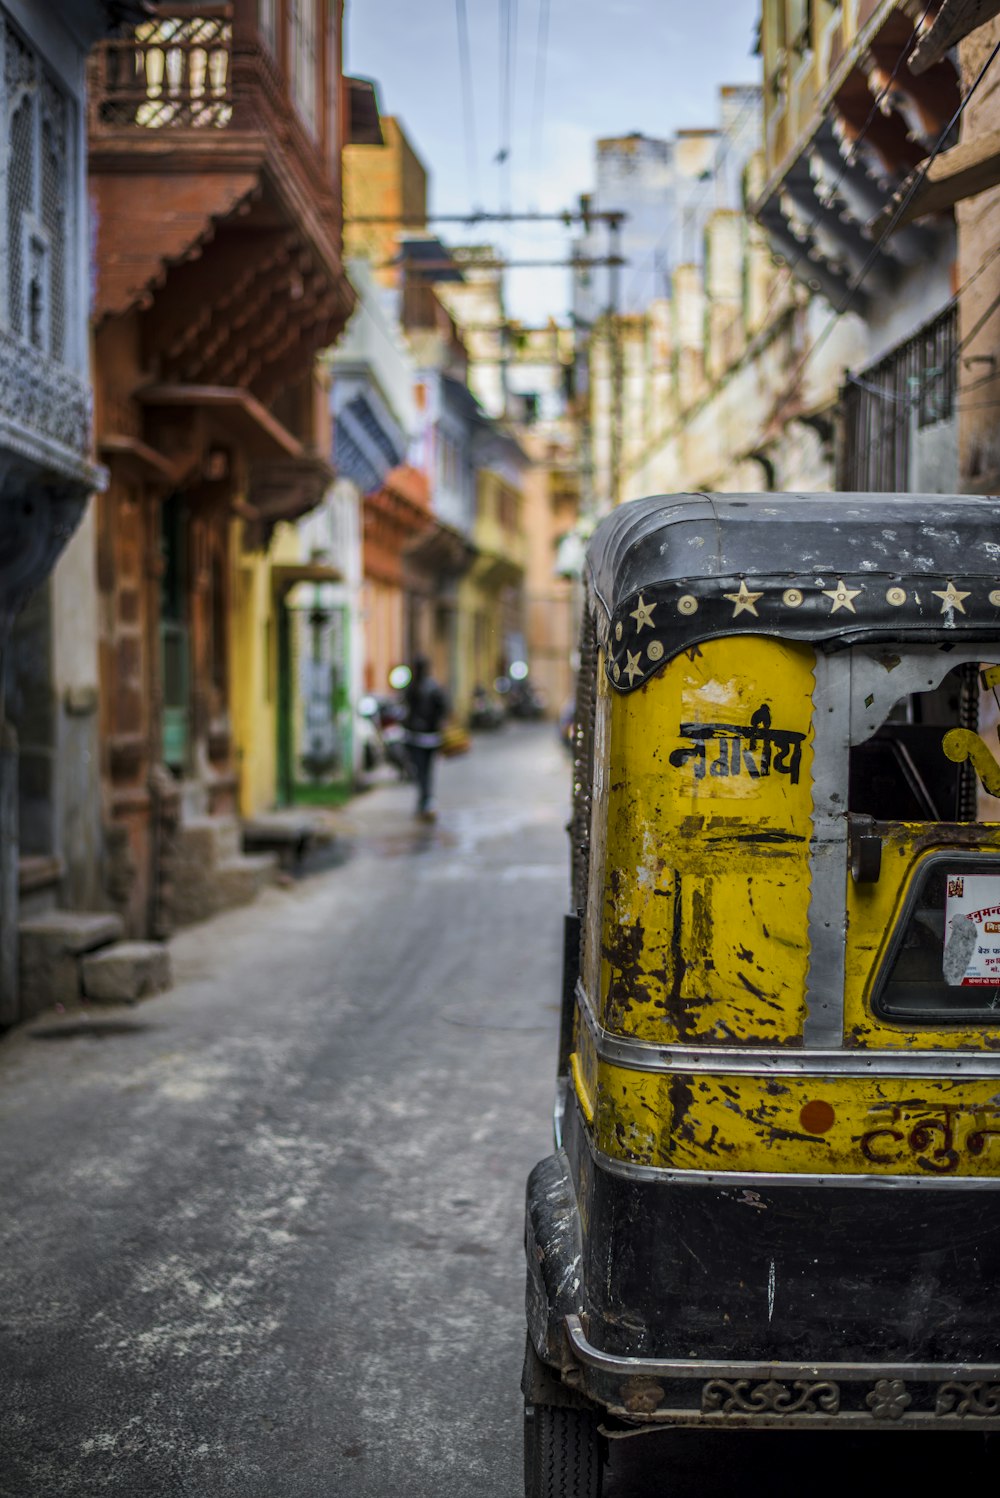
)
(967, 169)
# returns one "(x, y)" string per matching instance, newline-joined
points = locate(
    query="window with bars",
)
(886, 405)
(39, 198)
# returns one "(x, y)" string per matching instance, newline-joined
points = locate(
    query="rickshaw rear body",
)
(775, 1198)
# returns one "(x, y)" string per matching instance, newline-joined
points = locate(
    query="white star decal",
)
(643, 614)
(843, 596)
(632, 667)
(744, 600)
(951, 598)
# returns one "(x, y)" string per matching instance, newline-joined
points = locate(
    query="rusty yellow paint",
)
(873, 912)
(865, 1126)
(705, 873)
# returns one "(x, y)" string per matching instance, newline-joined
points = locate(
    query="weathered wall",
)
(978, 236)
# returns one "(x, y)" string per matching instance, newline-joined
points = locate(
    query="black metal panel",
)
(797, 1272)
(670, 572)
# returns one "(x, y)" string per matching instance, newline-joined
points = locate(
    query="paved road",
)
(261, 1236)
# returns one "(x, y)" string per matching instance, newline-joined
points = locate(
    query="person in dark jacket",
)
(426, 711)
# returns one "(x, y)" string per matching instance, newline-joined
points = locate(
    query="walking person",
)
(426, 710)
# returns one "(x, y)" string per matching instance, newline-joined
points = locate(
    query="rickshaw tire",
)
(563, 1452)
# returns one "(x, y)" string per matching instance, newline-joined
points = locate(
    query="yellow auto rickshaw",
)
(775, 1195)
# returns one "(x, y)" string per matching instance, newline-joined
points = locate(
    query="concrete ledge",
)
(128, 971)
(50, 948)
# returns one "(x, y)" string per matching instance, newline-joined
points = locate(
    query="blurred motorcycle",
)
(387, 744)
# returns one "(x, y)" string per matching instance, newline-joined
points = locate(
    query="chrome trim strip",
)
(646, 1056)
(752, 1182)
(605, 1362)
(827, 919)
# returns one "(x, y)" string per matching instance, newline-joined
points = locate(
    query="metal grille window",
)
(885, 405)
(42, 134)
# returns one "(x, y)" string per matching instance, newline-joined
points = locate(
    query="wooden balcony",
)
(214, 159)
(200, 87)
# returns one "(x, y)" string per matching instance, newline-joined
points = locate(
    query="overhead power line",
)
(583, 262)
(541, 51)
(468, 106)
(566, 217)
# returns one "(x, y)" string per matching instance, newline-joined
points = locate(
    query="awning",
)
(137, 458)
(288, 489)
(440, 551)
(236, 410)
(288, 576)
(364, 122)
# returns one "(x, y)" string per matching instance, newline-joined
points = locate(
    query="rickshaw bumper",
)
(595, 1348)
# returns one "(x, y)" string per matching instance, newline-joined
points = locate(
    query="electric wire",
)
(541, 58)
(468, 101)
(504, 55)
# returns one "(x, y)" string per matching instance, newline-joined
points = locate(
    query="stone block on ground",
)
(238, 881)
(50, 949)
(128, 971)
(204, 844)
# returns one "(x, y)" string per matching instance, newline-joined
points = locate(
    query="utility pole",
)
(614, 261)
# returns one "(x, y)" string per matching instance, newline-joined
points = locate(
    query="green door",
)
(175, 649)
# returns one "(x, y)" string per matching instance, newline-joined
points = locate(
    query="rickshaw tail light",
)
(817, 1117)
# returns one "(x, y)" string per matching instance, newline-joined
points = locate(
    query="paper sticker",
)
(972, 931)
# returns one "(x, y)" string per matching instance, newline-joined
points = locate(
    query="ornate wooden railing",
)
(172, 71)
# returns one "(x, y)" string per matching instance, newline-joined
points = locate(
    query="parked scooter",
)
(485, 712)
(386, 716)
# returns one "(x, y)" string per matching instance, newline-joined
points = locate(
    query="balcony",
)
(215, 166)
(846, 121)
(200, 88)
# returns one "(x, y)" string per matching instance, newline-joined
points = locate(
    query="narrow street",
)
(261, 1236)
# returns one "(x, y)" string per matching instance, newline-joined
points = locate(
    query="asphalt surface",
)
(261, 1236)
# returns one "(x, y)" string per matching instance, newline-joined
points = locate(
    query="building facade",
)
(215, 144)
(49, 788)
(796, 354)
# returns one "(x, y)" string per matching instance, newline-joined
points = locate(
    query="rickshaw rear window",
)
(944, 967)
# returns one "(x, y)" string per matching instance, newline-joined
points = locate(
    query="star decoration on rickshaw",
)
(642, 614)
(843, 597)
(950, 598)
(744, 601)
(632, 669)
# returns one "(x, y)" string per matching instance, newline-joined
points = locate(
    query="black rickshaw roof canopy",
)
(671, 571)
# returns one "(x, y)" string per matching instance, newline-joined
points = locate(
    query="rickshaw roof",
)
(670, 571)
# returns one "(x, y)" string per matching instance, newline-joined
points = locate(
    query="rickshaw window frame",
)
(961, 1021)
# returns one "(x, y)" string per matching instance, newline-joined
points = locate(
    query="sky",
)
(607, 67)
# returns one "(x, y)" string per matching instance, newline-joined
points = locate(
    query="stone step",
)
(208, 840)
(125, 972)
(51, 946)
(240, 880)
